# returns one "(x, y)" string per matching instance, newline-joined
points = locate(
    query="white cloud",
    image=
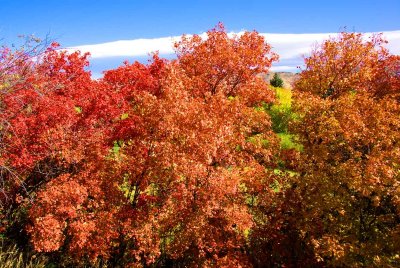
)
(128, 48)
(290, 47)
(284, 68)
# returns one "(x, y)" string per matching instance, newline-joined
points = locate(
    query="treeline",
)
(198, 162)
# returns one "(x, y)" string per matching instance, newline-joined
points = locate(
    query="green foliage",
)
(256, 139)
(288, 142)
(276, 81)
(124, 116)
(284, 96)
(78, 109)
(281, 113)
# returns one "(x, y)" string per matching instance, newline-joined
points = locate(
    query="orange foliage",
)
(348, 101)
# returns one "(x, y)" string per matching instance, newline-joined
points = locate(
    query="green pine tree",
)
(276, 81)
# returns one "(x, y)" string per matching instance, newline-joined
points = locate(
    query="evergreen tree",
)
(276, 81)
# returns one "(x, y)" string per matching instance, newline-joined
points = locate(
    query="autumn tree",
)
(347, 186)
(153, 164)
(201, 163)
(224, 162)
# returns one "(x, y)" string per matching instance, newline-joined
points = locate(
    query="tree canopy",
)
(198, 162)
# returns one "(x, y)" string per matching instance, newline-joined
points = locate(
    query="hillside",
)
(287, 77)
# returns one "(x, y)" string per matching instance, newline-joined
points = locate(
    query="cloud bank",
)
(290, 47)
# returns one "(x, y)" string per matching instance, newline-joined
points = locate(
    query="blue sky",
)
(74, 23)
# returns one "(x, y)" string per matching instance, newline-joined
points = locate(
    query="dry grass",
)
(12, 257)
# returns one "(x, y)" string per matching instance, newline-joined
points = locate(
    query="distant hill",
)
(287, 77)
